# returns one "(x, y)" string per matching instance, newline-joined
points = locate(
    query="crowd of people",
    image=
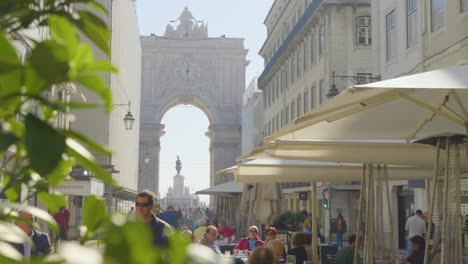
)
(209, 231)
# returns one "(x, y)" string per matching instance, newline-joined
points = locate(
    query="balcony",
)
(289, 39)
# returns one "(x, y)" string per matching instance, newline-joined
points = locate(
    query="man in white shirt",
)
(415, 226)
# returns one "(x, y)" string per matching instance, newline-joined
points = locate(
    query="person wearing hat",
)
(224, 231)
(270, 234)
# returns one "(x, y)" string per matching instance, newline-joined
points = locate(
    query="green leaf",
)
(91, 144)
(6, 140)
(96, 84)
(10, 74)
(14, 191)
(8, 254)
(64, 32)
(53, 201)
(100, 66)
(6, 67)
(82, 57)
(35, 211)
(57, 60)
(86, 159)
(95, 29)
(130, 242)
(94, 213)
(44, 145)
(60, 173)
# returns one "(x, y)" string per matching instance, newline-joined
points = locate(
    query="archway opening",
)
(185, 128)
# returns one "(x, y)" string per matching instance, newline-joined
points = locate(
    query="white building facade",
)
(307, 42)
(414, 36)
(109, 129)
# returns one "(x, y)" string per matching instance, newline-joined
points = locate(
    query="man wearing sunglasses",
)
(144, 205)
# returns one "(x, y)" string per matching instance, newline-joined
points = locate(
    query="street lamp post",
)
(360, 78)
(129, 120)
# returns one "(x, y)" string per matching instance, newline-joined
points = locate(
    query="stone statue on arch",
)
(178, 165)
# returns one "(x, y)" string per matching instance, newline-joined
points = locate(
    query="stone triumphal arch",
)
(185, 66)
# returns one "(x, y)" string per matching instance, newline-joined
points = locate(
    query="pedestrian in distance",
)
(415, 226)
(341, 228)
(62, 217)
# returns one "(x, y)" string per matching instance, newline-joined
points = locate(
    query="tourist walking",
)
(341, 228)
(415, 226)
(62, 217)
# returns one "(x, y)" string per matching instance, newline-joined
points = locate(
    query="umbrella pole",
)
(431, 206)
(445, 201)
(390, 216)
(361, 201)
(315, 257)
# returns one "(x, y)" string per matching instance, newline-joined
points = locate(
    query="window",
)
(313, 94)
(464, 5)
(391, 36)
(437, 14)
(299, 106)
(277, 121)
(306, 55)
(323, 92)
(265, 99)
(284, 79)
(293, 110)
(286, 115)
(299, 64)
(322, 40)
(270, 89)
(293, 70)
(312, 49)
(277, 86)
(363, 30)
(411, 22)
(282, 118)
(306, 101)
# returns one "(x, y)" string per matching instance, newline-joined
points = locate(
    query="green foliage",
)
(35, 155)
(290, 221)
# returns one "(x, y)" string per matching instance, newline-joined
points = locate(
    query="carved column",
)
(148, 173)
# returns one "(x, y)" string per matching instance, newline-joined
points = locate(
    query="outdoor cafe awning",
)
(223, 189)
(370, 152)
(287, 171)
(406, 108)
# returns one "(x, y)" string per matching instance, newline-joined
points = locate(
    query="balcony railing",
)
(310, 10)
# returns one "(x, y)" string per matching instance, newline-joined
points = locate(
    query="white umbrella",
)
(286, 171)
(369, 152)
(406, 108)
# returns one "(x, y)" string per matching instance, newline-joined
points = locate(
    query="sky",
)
(233, 18)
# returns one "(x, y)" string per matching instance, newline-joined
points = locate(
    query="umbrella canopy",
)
(369, 152)
(407, 108)
(286, 171)
(223, 189)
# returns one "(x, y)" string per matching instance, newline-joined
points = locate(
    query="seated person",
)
(41, 240)
(224, 231)
(418, 246)
(346, 254)
(209, 239)
(250, 242)
(261, 255)
(298, 249)
(270, 234)
(278, 249)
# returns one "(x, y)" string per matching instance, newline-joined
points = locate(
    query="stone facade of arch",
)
(208, 73)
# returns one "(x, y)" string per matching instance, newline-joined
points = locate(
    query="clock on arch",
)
(188, 70)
